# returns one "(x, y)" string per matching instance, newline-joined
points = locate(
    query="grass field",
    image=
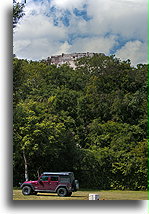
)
(84, 195)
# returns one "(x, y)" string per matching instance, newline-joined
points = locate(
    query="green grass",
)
(84, 195)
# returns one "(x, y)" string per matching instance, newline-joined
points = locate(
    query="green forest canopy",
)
(91, 120)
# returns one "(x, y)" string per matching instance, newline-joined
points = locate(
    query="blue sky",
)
(52, 27)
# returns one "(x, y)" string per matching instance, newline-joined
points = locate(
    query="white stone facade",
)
(67, 58)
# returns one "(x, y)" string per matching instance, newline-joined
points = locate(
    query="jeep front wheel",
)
(26, 190)
(62, 192)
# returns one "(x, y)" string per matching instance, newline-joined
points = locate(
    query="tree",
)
(91, 120)
(17, 12)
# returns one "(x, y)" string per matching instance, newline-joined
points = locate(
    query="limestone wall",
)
(67, 58)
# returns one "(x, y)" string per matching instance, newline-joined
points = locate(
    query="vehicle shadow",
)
(57, 196)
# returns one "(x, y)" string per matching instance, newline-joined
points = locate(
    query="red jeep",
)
(62, 183)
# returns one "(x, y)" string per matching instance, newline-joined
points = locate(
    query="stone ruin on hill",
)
(67, 59)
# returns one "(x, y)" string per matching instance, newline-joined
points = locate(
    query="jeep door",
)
(54, 182)
(44, 183)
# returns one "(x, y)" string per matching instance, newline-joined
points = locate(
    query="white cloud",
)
(127, 18)
(37, 27)
(64, 48)
(68, 4)
(136, 51)
(36, 36)
(99, 44)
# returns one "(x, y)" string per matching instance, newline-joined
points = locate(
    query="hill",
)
(91, 120)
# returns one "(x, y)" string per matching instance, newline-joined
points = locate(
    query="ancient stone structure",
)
(67, 59)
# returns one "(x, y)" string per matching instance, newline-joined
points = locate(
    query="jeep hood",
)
(30, 182)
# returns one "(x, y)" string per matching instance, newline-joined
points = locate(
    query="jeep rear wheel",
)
(26, 190)
(62, 192)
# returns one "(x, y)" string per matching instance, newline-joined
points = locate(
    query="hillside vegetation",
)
(91, 120)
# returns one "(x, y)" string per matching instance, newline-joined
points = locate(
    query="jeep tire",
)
(62, 192)
(26, 190)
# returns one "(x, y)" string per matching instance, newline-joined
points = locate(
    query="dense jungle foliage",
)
(91, 120)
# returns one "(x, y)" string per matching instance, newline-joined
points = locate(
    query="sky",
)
(112, 27)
